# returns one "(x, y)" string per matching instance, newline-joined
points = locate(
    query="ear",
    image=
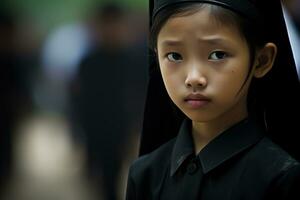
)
(265, 59)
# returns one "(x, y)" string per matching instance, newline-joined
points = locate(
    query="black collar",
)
(226, 145)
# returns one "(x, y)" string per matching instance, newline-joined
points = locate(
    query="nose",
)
(195, 79)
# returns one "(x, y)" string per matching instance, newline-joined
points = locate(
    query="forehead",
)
(201, 24)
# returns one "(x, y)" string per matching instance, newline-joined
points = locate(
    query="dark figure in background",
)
(14, 100)
(110, 95)
(7, 78)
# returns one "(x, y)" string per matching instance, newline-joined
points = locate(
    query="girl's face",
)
(204, 65)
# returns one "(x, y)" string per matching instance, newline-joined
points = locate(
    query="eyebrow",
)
(213, 40)
(171, 43)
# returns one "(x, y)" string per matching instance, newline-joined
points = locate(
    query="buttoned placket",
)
(186, 182)
(191, 180)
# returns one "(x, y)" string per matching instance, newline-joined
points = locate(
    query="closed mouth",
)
(196, 97)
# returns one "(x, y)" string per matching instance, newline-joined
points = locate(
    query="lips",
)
(197, 97)
(197, 100)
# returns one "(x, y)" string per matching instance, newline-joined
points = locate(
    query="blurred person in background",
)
(15, 98)
(8, 90)
(109, 95)
(59, 66)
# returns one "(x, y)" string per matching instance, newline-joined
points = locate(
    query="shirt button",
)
(192, 168)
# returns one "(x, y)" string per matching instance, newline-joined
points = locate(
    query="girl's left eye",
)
(217, 55)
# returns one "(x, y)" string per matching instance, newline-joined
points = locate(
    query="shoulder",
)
(270, 161)
(271, 153)
(269, 170)
(286, 184)
(147, 173)
(154, 161)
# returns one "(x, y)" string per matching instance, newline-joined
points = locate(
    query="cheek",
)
(171, 79)
(165, 75)
(236, 74)
(228, 85)
(166, 72)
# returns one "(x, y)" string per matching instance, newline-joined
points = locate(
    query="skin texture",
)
(200, 56)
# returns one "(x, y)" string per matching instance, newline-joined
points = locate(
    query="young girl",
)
(228, 68)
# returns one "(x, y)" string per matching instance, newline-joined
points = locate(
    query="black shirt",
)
(240, 163)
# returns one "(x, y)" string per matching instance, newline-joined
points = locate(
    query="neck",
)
(204, 132)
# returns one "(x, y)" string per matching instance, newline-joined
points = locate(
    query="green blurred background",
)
(50, 14)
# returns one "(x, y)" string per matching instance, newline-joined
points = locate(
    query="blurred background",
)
(73, 83)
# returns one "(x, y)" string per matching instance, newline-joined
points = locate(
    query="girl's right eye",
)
(174, 57)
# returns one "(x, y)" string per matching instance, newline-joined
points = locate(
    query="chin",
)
(196, 117)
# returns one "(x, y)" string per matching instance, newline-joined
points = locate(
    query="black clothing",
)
(240, 163)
